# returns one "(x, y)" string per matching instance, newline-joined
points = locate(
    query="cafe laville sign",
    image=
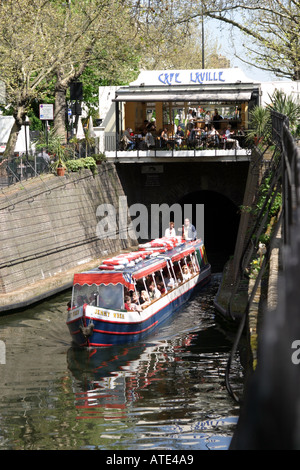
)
(191, 77)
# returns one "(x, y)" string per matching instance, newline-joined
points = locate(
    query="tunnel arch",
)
(221, 223)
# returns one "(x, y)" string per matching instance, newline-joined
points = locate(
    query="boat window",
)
(110, 296)
(84, 295)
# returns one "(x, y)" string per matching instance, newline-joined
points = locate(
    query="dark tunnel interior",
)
(221, 222)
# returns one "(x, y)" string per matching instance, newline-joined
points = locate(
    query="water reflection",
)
(164, 393)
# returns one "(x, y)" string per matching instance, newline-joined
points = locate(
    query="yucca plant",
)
(287, 105)
(260, 126)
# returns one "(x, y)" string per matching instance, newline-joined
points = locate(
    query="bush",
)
(80, 163)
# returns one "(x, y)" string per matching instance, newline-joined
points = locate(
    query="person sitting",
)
(229, 133)
(127, 303)
(145, 300)
(93, 299)
(161, 287)
(135, 304)
(185, 273)
(164, 138)
(213, 136)
(79, 301)
(154, 292)
(127, 140)
(149, 140)
(135, 298)
(170, 283)
(179, 135)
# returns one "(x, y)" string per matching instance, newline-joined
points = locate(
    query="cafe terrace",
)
(167, 99)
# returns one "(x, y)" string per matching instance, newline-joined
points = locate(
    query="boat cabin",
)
(148, 273)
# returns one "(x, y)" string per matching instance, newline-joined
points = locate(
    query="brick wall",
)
(48, 226)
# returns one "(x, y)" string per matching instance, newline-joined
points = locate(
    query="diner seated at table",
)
(149, 140)
(213, 136)
(127, 139)
(164, 138)
(228, 137)
(204, 135)
(179, 135)
(191, 138)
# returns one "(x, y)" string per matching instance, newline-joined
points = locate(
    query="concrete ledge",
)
(45, 288)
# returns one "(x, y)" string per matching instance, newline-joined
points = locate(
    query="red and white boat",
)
(160, 277)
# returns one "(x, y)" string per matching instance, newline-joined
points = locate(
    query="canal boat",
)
(125, 298)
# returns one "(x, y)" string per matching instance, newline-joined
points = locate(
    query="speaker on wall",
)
(76, 91)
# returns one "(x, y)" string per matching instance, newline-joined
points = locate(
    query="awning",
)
(151, 268)
(182, 254)
(99, 278)
(190, 96)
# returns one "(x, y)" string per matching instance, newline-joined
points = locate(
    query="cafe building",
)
(166, 99)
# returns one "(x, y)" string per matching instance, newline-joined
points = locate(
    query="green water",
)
(164, 393)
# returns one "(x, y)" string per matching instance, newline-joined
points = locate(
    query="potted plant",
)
(59, 153)
(99, 158)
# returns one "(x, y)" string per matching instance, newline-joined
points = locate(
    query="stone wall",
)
(48, 232)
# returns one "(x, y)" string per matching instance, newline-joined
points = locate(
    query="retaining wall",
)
(48, 232)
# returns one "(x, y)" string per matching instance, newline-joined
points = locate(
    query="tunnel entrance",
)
(221, 223)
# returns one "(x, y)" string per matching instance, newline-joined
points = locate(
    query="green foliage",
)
(260, 130)
(264, 191)
(99, 157)
(81, 163)
(287, 105)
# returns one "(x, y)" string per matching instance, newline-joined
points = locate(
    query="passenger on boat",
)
(170, 283)
(127, 304)
(145, 301)
(186, 274)
(79, 301)
(161, 287)
(170, 232)
(135, 298)
(190, 232)
(93, 299)
(154, 292)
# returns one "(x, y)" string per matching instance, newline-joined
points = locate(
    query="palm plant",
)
(260, 126)
(287, 105)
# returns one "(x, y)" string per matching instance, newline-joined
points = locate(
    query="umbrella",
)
(91, 132)
(80, 133)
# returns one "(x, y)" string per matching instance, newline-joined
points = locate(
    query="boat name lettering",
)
(119, 315)
(104, 313)
(73, 313)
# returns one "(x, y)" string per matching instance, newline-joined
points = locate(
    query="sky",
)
(219, 31)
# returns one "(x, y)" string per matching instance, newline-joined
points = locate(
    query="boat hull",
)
(96, 327)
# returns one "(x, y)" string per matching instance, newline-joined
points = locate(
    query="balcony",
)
(222, 151)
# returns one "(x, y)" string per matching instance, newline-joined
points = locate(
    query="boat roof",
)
(127, 268)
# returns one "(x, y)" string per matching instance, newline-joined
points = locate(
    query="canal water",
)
(166, 393)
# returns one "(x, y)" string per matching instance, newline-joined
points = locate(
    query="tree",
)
(45, 44)
(96, 33)
(24, 50)
(271, 29)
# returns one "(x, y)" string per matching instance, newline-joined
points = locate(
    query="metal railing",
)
(282, 173)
